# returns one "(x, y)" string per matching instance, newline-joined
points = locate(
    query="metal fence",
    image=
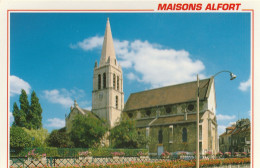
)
(16, 162)
(72, 161)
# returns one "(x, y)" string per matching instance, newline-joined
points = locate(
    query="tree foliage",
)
(59, 138)
(19, 118)
(28, 116)
(19, 138)
(24, 107)
(38, 136)
(87, 131)
(125, 135)
(34, 116)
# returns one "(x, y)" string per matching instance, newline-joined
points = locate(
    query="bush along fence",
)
(74, 152)
(119, 159)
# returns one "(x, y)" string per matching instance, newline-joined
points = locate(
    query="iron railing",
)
(16, 162)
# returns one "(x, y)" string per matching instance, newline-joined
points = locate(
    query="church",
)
(167, 114)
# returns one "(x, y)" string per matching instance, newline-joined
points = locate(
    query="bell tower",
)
(107, 94)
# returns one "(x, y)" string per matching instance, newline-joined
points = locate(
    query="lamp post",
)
(232, 77)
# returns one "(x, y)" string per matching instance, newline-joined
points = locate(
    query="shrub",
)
(85, 154)
(227, 154)
(165, 154)
(117, 153)
(244, 154)
(60, 139)
(35, 156)
(90, 133)
(38, 136)
(237, 154)
(74, 152)
(125, 135)
(209, 153)
(19, 139)
(142, 153)
(219, 154)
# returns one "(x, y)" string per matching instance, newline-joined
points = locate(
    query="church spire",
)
(108, 50)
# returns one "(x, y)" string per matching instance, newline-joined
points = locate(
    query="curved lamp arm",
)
(232, 76)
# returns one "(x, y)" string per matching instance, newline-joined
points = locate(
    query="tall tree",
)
(125, 135)
(87, 131)
(19, 118)
(24, 107)
(34, 116)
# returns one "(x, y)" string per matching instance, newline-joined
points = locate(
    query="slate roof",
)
(174, 94)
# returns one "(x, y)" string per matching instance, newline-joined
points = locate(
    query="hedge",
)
(73, 152)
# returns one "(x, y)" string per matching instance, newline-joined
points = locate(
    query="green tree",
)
(19, 118)
(125, 135)
(87, 131)
(38, 136)
(34, 116)
(19, 139)
(60, 139)
(24, 108)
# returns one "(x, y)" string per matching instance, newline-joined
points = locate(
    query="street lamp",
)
(232, 77)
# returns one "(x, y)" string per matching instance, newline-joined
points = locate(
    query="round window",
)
(130, 115)
(148, 112)
(168, 110)
(190, 107)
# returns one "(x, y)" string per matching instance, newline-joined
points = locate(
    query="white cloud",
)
(11, 117)
(17, 84)
(221, 129)
(244, 86)
(158, 66)
(58, 97)
(225, 117)
(132, 76)
(232, 123)
(89, 43)
(88, 108)
(56, 123)
(65, 97)
(151, 63)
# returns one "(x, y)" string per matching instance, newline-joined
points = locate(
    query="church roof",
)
(174, 94)
(77, 109)
(108, 50)
(143, 123)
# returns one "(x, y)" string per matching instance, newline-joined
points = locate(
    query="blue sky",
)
(54, 54)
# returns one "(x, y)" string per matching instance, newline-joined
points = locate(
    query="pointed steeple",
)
(108, 50)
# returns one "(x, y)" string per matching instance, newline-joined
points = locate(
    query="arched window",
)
(114, 81)
(99, 81)
(184, 135)
(160, 137)
(116, 102)
(104, 80)
(117, 83)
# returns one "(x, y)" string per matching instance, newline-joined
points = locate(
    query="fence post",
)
(51, 161)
